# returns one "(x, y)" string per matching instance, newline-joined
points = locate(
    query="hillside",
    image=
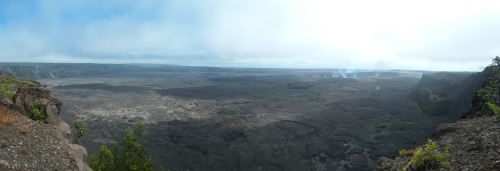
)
(472, 143)
(32, 136)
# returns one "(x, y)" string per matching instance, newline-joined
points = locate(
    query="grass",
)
(8, 117)
(10, 82)
(7, 93)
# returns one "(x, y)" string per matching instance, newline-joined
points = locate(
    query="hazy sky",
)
(382, 34)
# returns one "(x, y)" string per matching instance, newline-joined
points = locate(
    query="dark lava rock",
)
(298, 129)
(234, 136)
(136, 119)
(298, 85)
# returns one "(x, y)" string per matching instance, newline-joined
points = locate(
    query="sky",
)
(445, 35)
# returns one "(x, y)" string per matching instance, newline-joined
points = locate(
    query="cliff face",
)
(447, 94)
(27, 144)
(473, 141)
(489, 92)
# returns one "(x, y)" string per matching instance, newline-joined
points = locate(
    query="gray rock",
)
(52, 115)
(28, 99)
(19, 102)
(64, 128)
(80, 154)
(4, 163)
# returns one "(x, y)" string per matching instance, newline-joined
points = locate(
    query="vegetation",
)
(494, 108)
(486, 92)
(81, 129)
(12, 81)
(491, 91)
(428, 158)
(133, 156)
(402, 152)
(496, 61)
(7, 117)
(36, 112)
(7, 93)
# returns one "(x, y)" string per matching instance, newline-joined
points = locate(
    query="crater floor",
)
(251, 120)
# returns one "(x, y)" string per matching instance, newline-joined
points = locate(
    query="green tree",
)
(496, 61)
(132, 157)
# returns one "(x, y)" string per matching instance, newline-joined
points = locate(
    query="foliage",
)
(7, 93)
(486, 92)
(496, 61)
(12, 81)
(103, 161)
(490, 92)
(402, 152)
(81, 128)
(7, 117)
(428, 158)
(133, 156)
(494, 108)
(36, 112)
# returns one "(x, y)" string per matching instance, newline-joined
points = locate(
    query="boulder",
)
(64, 128)
(50, 105)
(52, 114)
(80, 154)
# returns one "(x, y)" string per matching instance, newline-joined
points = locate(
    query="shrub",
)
(9, 94)
(494, 108)
(402, 152)
(133, 155)
(428, 158)
(486, 92)
(36, 112)
(496, 61)
(81, 129)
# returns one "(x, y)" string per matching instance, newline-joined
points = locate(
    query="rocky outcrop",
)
(49, 140)
(50, 105)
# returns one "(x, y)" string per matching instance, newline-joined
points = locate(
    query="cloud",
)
(388, 34)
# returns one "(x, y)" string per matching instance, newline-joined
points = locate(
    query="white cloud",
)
(386, 34)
